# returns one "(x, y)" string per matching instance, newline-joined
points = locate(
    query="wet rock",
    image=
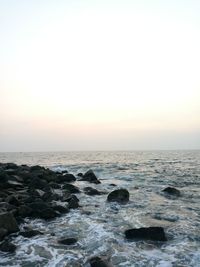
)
(91, 191)
(68, 241)
(24, 211)
(172, 191)
(67, 177)
(90, 177)
(71, 188)
(73, 202)
(3, 233)
(42, 210)
(80, 174)
(120, 195)
(7, 246)
(112, 184)
(146, 233)
(8, 222)
(30, 233)
(99, 262)
(61, 209)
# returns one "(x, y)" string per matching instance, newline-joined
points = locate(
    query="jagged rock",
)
(120, 195)
(91, 191)
(67, 241)
(71, 188)
(73, 202)
(172, 191)
(90, 177)
(146, 233)
(8, 222)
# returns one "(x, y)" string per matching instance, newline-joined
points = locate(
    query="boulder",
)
(67, 241)
(91, 191)
(73, 202)
(67, 177)
(90, 177)
(8, 222)
(120, 195)
(71, 188)
(172, 191)
(146, 233)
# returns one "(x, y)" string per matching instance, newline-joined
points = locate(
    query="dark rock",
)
(3, 233)
(12, 200)
(149, 233)
(67, 241)
(60, 209)
(48, 214)
(24, 211)
(8, 222)
(99, 262)
(120, 195)
(172, 191)
(38, 183)
(112, 184)
(71, 188)
(54, 185)
(73, 202)
(30, 233)
(80, 174)
(65, 171)
(42, 210)
(91, 191)
(67, 177)
(10, 166)
(36, 168)
(90, 177)
(7, 246)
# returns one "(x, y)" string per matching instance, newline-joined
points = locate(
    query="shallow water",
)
(99, 226)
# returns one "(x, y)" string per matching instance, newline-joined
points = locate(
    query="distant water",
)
(144, 174)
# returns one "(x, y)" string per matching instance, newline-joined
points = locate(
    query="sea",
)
(99, 225)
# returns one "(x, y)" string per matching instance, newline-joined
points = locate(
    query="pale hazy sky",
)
(99, 75)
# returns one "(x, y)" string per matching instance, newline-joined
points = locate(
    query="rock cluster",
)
(32, 192)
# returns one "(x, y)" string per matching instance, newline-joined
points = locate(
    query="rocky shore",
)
(38, 192)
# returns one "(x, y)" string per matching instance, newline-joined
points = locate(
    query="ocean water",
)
(99, 225)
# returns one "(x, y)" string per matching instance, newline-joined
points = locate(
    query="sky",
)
(99, 75)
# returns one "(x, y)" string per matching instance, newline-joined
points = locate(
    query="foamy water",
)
(99, 226)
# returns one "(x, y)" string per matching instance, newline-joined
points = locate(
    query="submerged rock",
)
(67, 241)
(146, 233)
(8, 222)
(30, 233)
(90, 177)
(7, 246)
(120, 195)
(91, 191)
(172, 191)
